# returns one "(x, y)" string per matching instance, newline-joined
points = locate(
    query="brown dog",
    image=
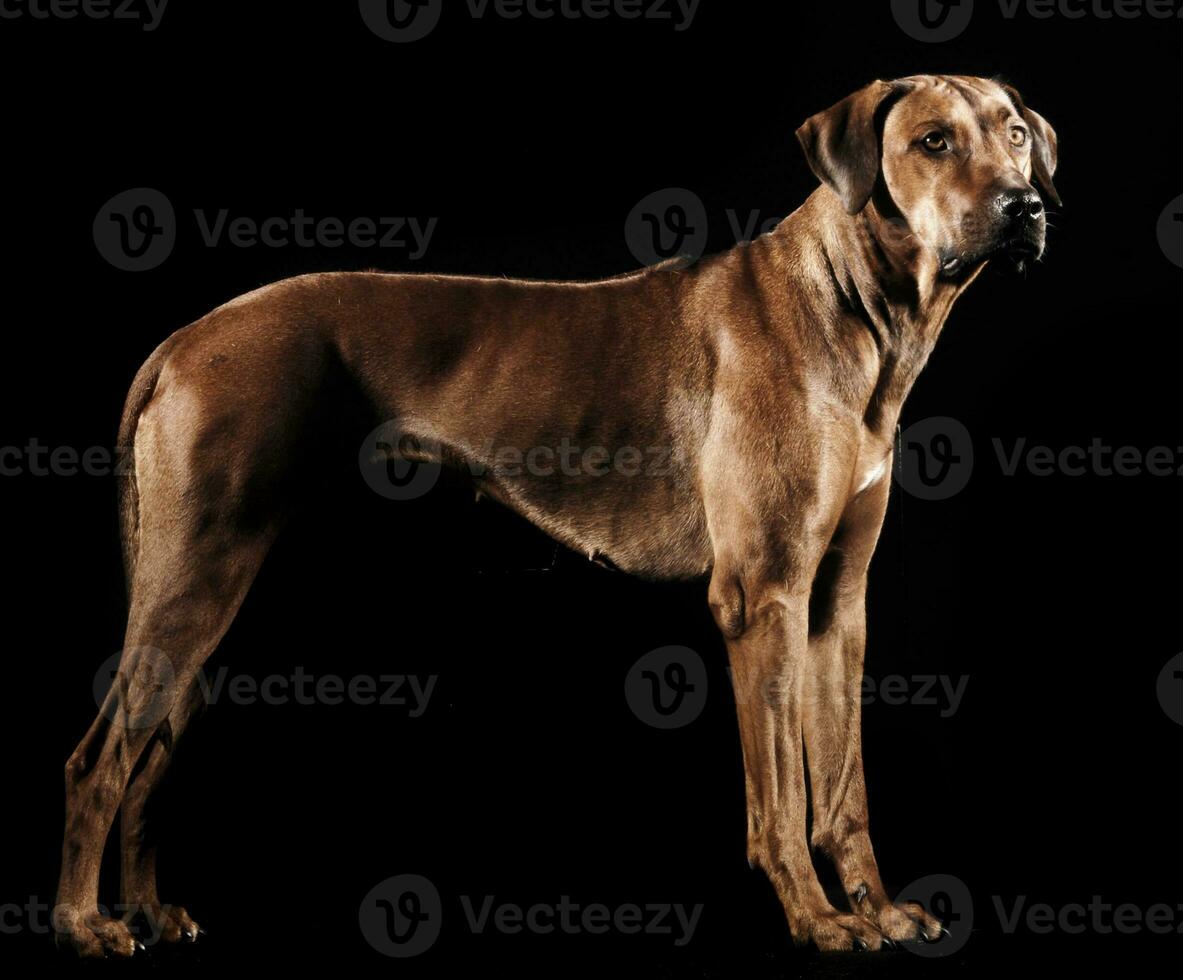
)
(773, 373)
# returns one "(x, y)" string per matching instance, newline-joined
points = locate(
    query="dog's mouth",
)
(1015, 252)
(952, 264)
(1019, 251)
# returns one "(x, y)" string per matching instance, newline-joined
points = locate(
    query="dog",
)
(775, 372)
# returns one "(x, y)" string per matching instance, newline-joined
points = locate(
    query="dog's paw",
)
(168, 924)
(175, 925)
(904, 921)
(95, 937)
(838, 932)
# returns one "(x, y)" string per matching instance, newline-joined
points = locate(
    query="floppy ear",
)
(842, 143)
(1044, 146)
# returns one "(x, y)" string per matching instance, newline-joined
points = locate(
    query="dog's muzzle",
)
(1023, 225)
(1013, 225)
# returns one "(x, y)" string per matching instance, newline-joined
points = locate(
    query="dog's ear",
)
(842, 143)
(1044, 146)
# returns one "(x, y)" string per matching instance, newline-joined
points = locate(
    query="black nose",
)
(1020, 204)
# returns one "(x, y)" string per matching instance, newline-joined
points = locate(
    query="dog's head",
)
(949, 158)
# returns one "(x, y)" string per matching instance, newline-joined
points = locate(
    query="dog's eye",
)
(935, 142)
(1018, 136)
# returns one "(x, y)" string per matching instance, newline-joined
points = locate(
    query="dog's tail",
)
(140, 393)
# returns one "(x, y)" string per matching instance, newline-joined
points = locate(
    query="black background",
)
(528, 777)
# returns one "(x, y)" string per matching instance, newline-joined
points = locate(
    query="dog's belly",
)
(637, 511)
(629, 501)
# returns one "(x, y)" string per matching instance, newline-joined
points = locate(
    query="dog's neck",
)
(886, 285)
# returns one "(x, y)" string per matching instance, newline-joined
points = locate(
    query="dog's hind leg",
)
(139, 829)
(177, 620)
(209, 482)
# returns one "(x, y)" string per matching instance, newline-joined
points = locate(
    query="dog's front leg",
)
(832, 709)
(766, 628)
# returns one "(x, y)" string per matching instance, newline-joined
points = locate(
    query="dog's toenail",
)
(859, 893)
(860, 945)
